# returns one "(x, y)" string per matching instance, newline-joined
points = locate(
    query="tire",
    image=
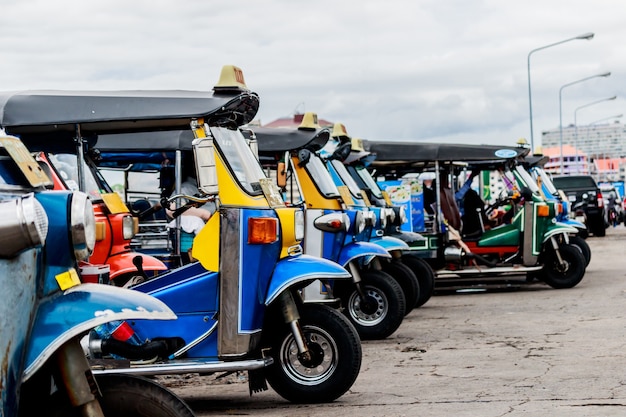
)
(425, 276)
(122, 396)
(581, 244)
(556, 277)
(383, 311)
(407, 280)
(336, 357)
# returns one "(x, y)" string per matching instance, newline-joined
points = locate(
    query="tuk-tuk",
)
(238, 305)
(373, 301)
(346, 164)
(532, 242)
(534, 164)
(45, 310)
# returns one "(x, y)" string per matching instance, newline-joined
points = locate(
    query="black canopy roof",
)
(272, 140)
(410, 152)
(98, 112)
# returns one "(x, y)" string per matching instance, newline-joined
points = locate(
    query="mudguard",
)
(122, 263)
(556, 229)
(81, 308)
(289, 271)
(390, 243)
(358, 249)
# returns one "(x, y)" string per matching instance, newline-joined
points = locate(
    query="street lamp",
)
(576, 122)
(606, 74)
(587, 36)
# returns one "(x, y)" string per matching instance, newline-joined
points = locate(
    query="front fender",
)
(390, 243)
(557, 229)
(122, 263)
(289, 271)
(81, 308)
(358, 249)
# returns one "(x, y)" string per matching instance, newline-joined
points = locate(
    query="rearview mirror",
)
(206, 171)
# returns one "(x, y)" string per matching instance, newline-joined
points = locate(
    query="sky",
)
(427, 70)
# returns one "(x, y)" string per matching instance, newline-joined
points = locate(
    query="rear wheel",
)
(407, 280)
(334, 363)
(566, 275)
(380, 312)
(425, 276)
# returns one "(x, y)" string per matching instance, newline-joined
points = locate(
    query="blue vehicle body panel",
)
(390, 243)
(360, 249)
(302, 269)
(18, 281)
(80, 308)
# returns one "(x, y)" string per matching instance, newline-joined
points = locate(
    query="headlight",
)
(383, 218)
(23, 224)
(82, 225)
(299, 225)
(359, 222)
(128, 227)
(403, 218)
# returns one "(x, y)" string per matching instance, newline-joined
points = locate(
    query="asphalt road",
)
(527, 350)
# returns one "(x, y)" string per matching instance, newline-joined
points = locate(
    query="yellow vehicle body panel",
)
(206, 244)
(313, 198)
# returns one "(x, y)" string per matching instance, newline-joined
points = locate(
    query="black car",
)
(585, 200)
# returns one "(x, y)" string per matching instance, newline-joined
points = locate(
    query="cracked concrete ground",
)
(524, 351)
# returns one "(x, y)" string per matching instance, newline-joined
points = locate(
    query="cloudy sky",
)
(435, 70)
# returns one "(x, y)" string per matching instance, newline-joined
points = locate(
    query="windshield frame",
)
(321, 177)
(369, 181)
(347, 179)
(239, 159)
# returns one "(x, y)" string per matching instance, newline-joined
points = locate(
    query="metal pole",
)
(576, 121)
(587, 36)
(606, 74)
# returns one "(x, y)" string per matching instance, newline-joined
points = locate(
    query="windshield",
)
(67, 167)
(239, 158)
(527, 179)
(347, 178)
(365, 175)
(545, 180)
(320, 175)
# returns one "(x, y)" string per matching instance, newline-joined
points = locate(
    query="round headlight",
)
(82, 225)
(383, 218)
(359, 222)
(23, 225)
(299, 225)
(403, 218)
(128, 227)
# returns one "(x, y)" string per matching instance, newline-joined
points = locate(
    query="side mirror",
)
(204, 152)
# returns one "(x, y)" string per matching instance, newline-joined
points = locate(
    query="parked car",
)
(586, 201)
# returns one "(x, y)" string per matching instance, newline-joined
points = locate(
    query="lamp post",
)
(587, 36)
(576, 121)
(606, 74)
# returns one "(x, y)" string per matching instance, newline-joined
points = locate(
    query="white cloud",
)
(427, 69)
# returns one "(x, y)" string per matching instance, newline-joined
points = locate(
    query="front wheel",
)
(380, 312)
(425, 276)
(407, 280)
(334, 363)
(581, 244)
(566, 275)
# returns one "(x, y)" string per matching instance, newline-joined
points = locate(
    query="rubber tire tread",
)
(348, 344)
(575, 272)
(386, 284)
(407, 280)
(583, 245)
(425, 276)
